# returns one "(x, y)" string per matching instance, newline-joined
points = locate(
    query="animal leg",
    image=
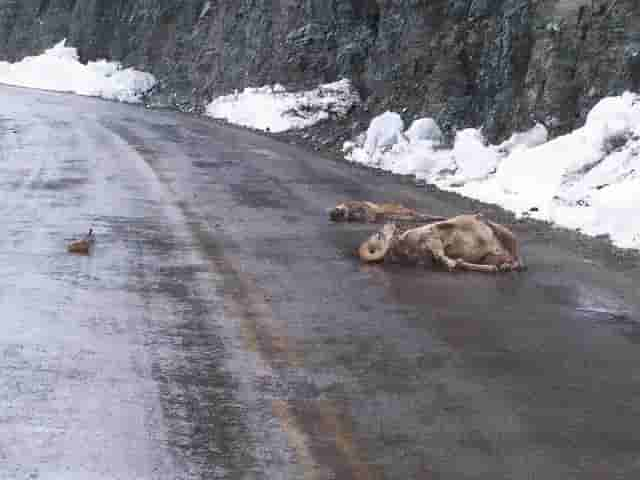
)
(504, 262)
(406, 218)
(510, 242)
(422, 217)
(475, 267)
(436, 248)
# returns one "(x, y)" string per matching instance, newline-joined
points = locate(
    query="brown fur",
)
(369, 212)
(466, 242)
(82, 246)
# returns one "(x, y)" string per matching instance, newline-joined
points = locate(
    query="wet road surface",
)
(221, 328)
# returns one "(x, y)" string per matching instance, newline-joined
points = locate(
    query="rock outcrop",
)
(499, 63)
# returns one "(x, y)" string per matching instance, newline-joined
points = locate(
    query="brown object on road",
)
(465, 242)
(369, 212)
(82, 246)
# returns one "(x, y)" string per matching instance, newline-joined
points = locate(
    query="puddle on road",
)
(602, 309)
(602, 305)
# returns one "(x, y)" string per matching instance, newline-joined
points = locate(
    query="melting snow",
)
(275, 109)
(59, 69)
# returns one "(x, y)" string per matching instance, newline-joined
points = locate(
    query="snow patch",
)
(424, 129)
(59, 69)
(384, 131)
(273, 108)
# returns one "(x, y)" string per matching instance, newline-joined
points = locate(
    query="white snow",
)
(587, 180)
(424, 129)
(275, 109)
(385, 131)
(59, 69)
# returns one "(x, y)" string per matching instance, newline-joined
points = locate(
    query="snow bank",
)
(385, 145)
(275, 109)
(419, 150)
(587, 180)
(59, 69)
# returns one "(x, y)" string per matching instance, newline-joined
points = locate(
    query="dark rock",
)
(631, 60)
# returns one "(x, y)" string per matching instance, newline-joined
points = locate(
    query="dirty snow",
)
(587, 180)
(59, 69)
(275, 109)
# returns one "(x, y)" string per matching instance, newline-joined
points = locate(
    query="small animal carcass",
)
(369, 212)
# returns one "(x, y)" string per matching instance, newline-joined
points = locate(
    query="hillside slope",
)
(498, 63)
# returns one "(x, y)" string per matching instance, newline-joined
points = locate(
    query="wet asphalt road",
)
(221, 328)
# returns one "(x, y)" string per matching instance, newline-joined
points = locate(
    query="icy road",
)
(221, 328)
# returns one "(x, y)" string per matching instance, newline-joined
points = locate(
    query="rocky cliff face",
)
(499, 63)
